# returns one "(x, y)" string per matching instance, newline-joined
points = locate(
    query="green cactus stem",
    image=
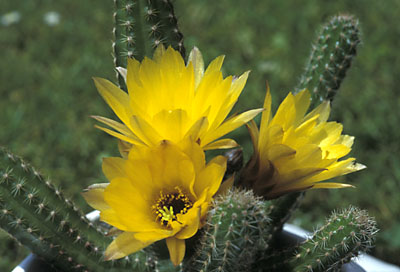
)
(38, 187)
(344, 235)
(118, 45)
(232, 235)
(164, 25)
(61, 242)
(331, 57)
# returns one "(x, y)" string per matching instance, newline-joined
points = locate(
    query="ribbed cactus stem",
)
(135, 25)
(119, 45)
(164, 25)
(25, 234)
(232, 235)
(331, 56)
(38, 187)
(41, 223)
(343, 236)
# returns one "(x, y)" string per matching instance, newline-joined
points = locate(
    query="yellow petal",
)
(231, 98)
(159, 53)
(279, 151)
(286, 113)
(176, 248)
(211, 176)
(295, 177)
(302, 101)
(215, 65)
(196, 59)
(110, 217)
(132, 206)
(197, 129)
(226, 185)
(178, 169)
(120, 136)
(338, 169)
(122, 71)
(117, 99)
(124, 148)
(172, 124)
(337, 151)
(266, 115)
(195, 153)
(145, 131)
(132, 74)
(254, 134)
(157, 234)
(94, 196)
(230, 125)
(331, 185)
(221, 144)
(124, 245)
(113, 167)
(117, 126)
(323, 111)
(191, 221)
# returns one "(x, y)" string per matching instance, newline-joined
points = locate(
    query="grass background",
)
(47, 93)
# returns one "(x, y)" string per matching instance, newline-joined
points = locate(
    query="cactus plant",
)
(241, 231)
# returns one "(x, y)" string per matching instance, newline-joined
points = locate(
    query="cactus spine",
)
(331, 56)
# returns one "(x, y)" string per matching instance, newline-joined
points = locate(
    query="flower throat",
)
(168, 206)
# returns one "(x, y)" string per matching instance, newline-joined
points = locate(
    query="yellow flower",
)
(157, 193)
(294, 151)
(168, 100)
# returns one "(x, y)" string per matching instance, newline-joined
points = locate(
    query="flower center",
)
(168, 206)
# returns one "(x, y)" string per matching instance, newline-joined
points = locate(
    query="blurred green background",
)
(49, 51)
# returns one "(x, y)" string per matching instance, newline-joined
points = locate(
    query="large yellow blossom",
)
(157, 193)
(294, 151)
(168, 100)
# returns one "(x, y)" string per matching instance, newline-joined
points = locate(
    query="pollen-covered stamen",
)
(168, 206)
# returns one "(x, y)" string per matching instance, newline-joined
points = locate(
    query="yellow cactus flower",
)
(162, 192)
(168, 100)
(295, 151)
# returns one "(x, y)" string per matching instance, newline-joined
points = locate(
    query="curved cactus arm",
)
(343, 236)
(331, 57)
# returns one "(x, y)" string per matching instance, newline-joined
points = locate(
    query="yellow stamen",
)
(167, 215)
